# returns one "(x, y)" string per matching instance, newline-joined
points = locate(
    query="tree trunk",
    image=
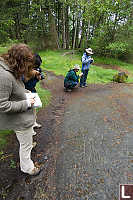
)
(63, 27)
(67, 27)
(58, 13)
(82, 34)
(52, 31)
(75, 31)
(88, 31)
(17, 26)
(77, 34)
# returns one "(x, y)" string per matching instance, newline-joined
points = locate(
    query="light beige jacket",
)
(14, 112)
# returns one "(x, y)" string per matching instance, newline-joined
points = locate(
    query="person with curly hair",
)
(16, 111)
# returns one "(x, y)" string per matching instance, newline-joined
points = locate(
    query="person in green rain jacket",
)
(72, 79)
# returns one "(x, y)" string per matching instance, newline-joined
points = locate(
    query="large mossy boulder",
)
(121, 77)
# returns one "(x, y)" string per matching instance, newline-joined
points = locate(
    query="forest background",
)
(104, 25)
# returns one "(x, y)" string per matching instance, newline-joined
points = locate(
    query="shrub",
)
(117, 49)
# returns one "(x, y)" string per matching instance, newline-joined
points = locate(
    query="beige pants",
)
(25, 140)
(35, 115)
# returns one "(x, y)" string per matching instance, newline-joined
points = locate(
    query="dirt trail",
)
(87, 136)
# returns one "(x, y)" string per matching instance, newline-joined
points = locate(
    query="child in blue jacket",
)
(86, 61)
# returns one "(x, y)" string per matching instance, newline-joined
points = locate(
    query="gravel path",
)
(88, 138)
(97, 144)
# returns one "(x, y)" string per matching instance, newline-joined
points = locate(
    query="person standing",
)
(16, 111)
(86, 62)
(31, 83)
(37, 75)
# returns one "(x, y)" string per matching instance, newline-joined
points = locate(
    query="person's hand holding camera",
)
(81, 74)
(92, 60)
(36, 74)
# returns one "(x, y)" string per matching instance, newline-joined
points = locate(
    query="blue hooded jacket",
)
(86, 61)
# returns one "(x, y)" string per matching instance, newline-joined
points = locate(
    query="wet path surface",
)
(97, 145)
(88, 138)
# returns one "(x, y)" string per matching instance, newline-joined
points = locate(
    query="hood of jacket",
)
(4, 66)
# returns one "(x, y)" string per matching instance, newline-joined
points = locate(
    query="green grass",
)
(60, 63)
(3, 50)
(57, 62)
(43, 94)
(114, 62)
(100, 75)
(3, 137)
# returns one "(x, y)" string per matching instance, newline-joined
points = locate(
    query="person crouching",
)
(71, 80)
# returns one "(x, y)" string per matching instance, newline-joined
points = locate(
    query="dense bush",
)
(117, 49)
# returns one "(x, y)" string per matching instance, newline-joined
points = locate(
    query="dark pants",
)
(84, 77)
(70, 85)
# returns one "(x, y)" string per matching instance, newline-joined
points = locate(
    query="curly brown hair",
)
(20, 60)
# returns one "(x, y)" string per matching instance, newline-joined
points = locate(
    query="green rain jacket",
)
(71, 78)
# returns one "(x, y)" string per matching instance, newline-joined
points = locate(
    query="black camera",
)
(42, 76)
(41, 73)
